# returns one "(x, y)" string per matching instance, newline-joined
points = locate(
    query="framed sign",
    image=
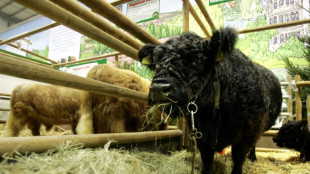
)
(213, 2)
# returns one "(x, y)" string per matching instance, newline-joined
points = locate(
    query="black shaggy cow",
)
(295, 135)
(234, 96)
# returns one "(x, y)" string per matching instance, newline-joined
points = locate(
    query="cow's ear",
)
(222, 43)
(145, 54)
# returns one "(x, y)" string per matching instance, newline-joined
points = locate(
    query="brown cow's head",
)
(184, 64)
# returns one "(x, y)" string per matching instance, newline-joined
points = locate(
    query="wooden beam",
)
(119, 2)
(40, 144)
(66, 18)
(205, 14)
(30, 52)
(298, 102)
(25, 60)
(21, 69)
(86, 14)
(88, 59)
(12, 39)
(261, 149)
(108, 11)
(4, 94)
(200, 23)
(274, 26)
(303, 83)
(271, 133)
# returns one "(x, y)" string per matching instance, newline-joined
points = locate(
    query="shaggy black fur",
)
(189, 68)
(295, 135)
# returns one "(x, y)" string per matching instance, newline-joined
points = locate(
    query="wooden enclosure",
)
(88, 22)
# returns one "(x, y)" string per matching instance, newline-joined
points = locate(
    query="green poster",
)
(213, 2)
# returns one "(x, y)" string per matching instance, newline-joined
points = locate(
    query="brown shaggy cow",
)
(35, 104)
(107, 114)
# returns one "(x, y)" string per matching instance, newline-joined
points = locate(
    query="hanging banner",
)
(64, 44)
(143, 10)
(213, 2)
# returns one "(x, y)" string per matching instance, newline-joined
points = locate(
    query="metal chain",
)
(195, 132)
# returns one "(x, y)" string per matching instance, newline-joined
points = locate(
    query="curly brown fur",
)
(35, 104)
(111, 114)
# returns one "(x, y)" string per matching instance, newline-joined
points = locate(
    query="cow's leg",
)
(239, 152)
(34, 126)
(207, 156)
(252, 154)
(14, 124)
(85, 124)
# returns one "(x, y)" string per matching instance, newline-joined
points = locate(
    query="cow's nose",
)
(159, 92)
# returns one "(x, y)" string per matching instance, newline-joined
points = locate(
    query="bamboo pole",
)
(185, 15)
(261, 149)
(116, 61)
(205, 14)
(66, 18)
(29, 33)
(112, 14)
(88, 59)
(82, 12)
(289, 90)
(298, 102)
(119, 2)
(17, 68)
(40, 144)
(182, 122)
(200, 23)
(4, 94)
(271, 133)
(274, 26)
(303, 83)
(4, 109)
(308, 109)
(30, 52)
(25, 60)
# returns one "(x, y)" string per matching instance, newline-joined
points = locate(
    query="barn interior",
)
(115, 30)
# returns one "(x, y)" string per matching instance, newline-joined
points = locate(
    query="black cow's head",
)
(292, 134)
(183, 64)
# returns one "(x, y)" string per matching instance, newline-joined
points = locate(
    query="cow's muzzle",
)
(159, 92)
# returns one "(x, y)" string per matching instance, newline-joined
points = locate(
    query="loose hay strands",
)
(72, 158)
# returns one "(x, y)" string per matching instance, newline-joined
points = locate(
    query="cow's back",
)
(45, 103)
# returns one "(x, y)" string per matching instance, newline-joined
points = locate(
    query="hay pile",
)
(72, 158)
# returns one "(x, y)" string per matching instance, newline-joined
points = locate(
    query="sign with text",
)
(64, 42)
(213, 2)
(143, 10)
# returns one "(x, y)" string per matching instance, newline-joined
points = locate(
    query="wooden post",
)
(112, 14)
(308, 109)
(205, 14)
(21, 69)
(185, 15)
(182, 122)
(84, 13)
(116, 61)
(289, 90)
(26, 60)
(200, 23)
(60, 15)
(298, 102)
